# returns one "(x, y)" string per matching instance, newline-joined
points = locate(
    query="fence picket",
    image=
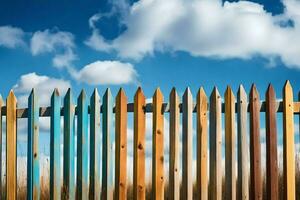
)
(69, 147)
(243, 147)
(174, 179)
(121, 146)
(33, 169)
(255, 160)
(95, 147)
(187, 148)
(11, 146)
(107, 139)
(230, 169)
(271, 145)
(1, 136)
(158, 146)
(202, 137)
(215, 135)
(55, 131)
(139, 190)
(288, 143)
(82, 147)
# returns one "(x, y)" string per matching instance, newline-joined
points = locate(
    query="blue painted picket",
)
(69, 147)
(82, 147)
(95, 146)
(107, 136)
(33, 171)
(55, 141)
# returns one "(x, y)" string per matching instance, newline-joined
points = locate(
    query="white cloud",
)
(58, 42)
(107, 72)
(206, 28)
(44, 86)
(11, 37)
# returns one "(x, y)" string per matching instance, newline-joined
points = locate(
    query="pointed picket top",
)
(173, 92)
(11, 96)
(187, 92)
(215, 94)
(121, 95)
(242, 94)
(68, 94)
(270, 92)
(229, 93)
(201, 93)
(139, 93)
(157, 92)
(287, 89)
(107, 93)
(33, 91)
(55, 93)
(254, 95)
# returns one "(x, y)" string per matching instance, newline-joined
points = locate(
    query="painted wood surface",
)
(255, 149)
(55, 151)
(95, 147)
(1, 136)
(158, 178)
(82, 191)
(121, 146)
(271, 145)
(230, 151)
(215, 134)
(107, 144)
(187, 145)
(69, 147)
(288, 143)
(139, 189)
(174, 162)
(202, 146)
(243, 146)
(33, 165)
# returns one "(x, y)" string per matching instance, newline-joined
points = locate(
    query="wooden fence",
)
(87, 182)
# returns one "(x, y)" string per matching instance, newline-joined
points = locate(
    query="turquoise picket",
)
(55, 131)
(69, 146)
(82, 147)
(33, 171)
(95, 146)
(107, 167)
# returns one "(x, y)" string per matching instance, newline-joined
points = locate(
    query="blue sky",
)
(148, 43)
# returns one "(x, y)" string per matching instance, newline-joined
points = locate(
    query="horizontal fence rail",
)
(101, 149)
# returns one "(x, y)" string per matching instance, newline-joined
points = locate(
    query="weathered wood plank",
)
(243, 147)
(1, 136)
(158, 178)
(121, 146)
(139, 190)
(82, 147)
(255, 159)
(11, 147)
(107, 139)
(288, 143)
(69, 147)
(271, 145)
(95, 147)
(202, 138)
(215, 131)
(55, 142)
(230, 159)
(187, 145)
(174, 176)
(33, 166)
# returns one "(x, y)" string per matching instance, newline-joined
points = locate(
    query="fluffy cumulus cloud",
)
(44, 86)
(206, 28)
(53, 41)
(11, 37)
(106, 72)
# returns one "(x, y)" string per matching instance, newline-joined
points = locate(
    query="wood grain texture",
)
(82, 191)
(55, 142)
(202, 138)
(255, 152)
(215, 131)
(174, 176)
(1, 136)
(121, 146)
(139, 190)
(243, 147)
(187, 145)
(271, 145)
(33, 166)
(288, 143)
(69, 147)
(230, 152)
(95, 147)
(11, 147)
(107, 139)
(158, 178)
